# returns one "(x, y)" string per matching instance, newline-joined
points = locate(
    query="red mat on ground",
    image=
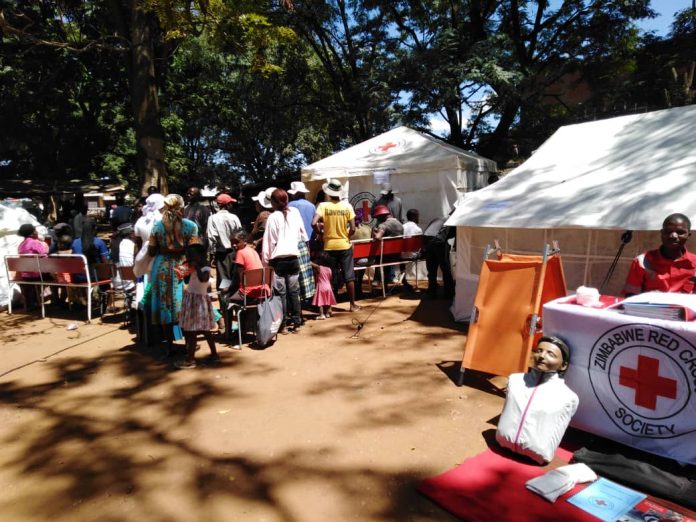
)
(491, 486)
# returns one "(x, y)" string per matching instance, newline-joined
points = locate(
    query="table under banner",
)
(635, 377)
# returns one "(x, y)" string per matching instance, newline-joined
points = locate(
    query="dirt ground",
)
(320, 426)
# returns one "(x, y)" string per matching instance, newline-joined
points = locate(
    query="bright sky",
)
(666, 10)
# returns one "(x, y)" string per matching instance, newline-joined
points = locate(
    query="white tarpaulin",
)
(583, 187)
(426, 173)
(11, 218)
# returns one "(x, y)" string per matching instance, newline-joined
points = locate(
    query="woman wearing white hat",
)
(263, 206)
(297, 191)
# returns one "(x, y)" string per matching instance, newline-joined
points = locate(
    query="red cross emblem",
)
(385, 148)
(366, 210)
(647, 382)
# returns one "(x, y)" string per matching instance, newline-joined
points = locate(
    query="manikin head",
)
(551, 355)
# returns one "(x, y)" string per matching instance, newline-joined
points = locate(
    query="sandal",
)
(184, 364)
(355, 308)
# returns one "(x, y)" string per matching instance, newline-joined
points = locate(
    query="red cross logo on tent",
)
(366, 210)
(385, 148)
(646, 380)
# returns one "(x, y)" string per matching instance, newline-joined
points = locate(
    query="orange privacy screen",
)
(511, 290)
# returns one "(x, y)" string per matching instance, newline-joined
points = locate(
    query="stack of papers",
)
(661, 305)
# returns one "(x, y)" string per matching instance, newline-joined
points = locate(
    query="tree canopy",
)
(172, 92)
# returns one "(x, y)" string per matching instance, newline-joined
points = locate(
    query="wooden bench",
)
(383, 252)
(48, 266)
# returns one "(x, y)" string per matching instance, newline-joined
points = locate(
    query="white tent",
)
(584, 186)
(11, 218)
(427, 173)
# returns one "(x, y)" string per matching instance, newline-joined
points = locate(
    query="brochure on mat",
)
(606, 500)
(648, 510)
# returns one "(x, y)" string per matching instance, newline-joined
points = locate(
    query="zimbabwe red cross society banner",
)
(635, 377)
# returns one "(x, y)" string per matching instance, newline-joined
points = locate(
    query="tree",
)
(142, 35)
(61, 103)
(351, 88)
(497, 59)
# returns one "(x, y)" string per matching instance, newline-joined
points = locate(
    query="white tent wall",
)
(433, 193)
(426, 173)
(584, 186)
(586, 255)
(11, 218)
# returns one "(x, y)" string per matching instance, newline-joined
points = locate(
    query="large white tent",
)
(427, 173)
(583, 187)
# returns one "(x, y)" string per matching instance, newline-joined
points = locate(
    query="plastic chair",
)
(257, 277)
(125, 275)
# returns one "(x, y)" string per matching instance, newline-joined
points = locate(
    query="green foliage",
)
(251, 90)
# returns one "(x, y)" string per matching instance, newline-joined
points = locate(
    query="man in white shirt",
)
(221, 226)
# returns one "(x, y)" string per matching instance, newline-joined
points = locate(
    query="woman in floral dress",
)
(168, 241)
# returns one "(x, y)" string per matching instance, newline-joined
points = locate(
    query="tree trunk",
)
(494, 146)
(455, 122)
(149, 136)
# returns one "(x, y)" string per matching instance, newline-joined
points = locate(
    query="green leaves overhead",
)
(236, 91)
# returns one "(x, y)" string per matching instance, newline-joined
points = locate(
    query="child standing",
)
(196, 315)
(324, 297)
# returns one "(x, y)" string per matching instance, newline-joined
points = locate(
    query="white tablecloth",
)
(635, 377)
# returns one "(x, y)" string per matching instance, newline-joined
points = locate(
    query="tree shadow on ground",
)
(101, 429)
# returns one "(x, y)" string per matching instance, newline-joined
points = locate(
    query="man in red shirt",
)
(670, 268)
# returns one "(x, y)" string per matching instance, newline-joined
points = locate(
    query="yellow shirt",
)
(336, 216)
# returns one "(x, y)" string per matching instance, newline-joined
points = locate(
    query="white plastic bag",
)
(143, 263)
(270, 320)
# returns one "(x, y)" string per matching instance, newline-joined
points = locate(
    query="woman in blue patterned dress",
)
(168, 241)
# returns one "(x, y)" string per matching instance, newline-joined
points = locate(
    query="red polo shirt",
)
(652, 271)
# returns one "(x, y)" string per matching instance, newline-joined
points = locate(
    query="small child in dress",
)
(197, 316)
(65, 295)
(324, 297)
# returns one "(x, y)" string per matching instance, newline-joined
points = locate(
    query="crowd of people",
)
(184, 250)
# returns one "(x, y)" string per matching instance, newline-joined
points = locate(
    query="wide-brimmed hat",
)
(386, 189)
(297, 186)
(381, 210)
(264, 197)
(333, 187)
(224, 199)
(125, 229)
(153, 203)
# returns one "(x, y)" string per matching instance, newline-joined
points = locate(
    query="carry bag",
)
(270, 320)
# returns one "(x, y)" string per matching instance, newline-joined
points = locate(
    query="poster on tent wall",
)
(635, 377)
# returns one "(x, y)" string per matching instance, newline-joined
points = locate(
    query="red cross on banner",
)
(386, 147)
(646, 380)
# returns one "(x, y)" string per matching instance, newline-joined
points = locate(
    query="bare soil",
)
(320, 426)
